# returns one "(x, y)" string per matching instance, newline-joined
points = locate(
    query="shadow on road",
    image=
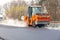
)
(2, 38)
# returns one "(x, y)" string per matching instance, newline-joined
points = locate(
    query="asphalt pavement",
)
(15, 33)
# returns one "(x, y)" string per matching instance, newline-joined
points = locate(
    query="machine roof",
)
(35, 6)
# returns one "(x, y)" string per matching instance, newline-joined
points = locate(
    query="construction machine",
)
(37, 17)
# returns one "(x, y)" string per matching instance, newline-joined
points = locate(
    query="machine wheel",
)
(40, 25)
(48, 23)
(30, 25)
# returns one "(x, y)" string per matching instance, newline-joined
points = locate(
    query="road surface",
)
(14, 33)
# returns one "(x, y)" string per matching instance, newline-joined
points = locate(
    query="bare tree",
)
(16, 9)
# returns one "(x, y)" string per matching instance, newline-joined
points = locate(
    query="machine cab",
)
(32, 10)
(36, 16)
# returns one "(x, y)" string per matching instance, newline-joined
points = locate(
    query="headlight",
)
(35, 22)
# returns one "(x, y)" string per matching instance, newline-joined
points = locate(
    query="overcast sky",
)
(2, 2)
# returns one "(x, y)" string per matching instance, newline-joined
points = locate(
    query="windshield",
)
(36, 10)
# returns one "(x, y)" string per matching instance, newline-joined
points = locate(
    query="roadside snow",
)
(16, 23)
(54, 26)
